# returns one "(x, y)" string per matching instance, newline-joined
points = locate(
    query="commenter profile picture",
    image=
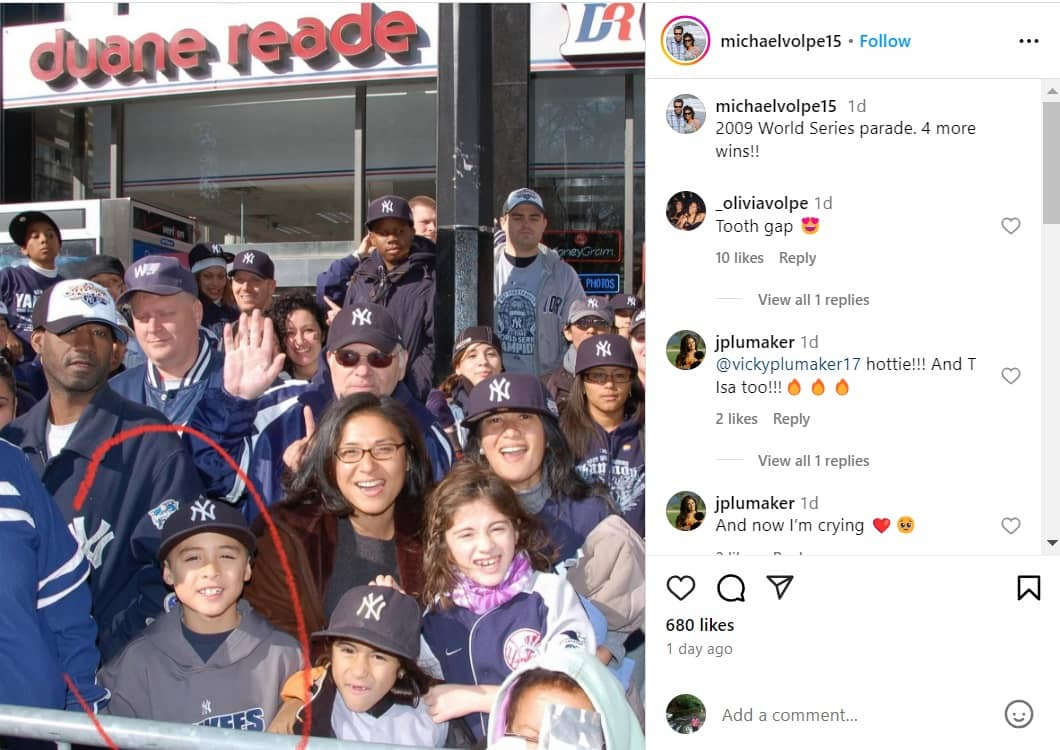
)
(685, 40)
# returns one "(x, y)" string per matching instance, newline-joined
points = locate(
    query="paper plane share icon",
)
(780, 583)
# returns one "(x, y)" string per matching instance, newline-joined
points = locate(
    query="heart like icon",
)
(1011, 374)
(680, 586)
(881, 524)
(1011, 525)
(1010, 224)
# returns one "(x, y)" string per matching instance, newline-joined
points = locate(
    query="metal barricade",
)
(65, 727)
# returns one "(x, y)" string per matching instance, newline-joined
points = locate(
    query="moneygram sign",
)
(145, 56)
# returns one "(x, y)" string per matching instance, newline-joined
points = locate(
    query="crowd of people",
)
(466, 556)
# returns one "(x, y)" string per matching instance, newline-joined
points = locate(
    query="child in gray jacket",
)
(211, 659)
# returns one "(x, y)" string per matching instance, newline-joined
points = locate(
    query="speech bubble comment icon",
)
(731, 588)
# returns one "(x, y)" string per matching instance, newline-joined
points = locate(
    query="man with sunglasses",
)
(365, 353)
(589, 317)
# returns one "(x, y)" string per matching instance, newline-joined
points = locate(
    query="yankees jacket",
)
(135, 490)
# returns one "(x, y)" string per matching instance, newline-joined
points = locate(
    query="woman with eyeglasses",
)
(604, 421)
(690, 51)
(352, 513)
(690, 123)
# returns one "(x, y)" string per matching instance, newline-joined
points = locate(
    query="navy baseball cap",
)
(204, 256)
(255, 262)
(380, 616)
(19, 224)
(624, 302)
(476, 335)
(638, 321)
(97, 264)
(591, 307)
(365, 323)
(519, 197)
(504, 392)
(389, 207)
(200, 516)
(605, 349)
(74, 302)
(158, 274)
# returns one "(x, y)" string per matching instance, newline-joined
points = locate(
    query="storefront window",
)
(249, 167)
(62, 152)
(402, 141)
(578, 166)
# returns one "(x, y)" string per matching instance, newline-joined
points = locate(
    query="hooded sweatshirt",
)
(621, 729)
(160, 676)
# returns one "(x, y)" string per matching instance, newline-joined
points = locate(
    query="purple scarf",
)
(481, 599)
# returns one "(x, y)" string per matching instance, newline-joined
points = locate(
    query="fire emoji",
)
(794, 388)
(842, 387)
(818, 387)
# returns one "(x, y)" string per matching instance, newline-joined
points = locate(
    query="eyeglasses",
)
(618, 377)
(349, 454)
(586, 323)
(350, 358)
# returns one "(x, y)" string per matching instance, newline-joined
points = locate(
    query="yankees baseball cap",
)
(97, 264)
(504, 392)
(253, 261)
(476, 335)
(380, 616)
(638, 321)
(158, 274)
(605, 349)
(389, 207)
(74, 302)
(521, 196)
(204, 256)
(200, 516)
(365, 323)
(624, 302)
(592, 307)
(18, 226)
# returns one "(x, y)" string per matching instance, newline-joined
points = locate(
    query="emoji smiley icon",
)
(810, 224)
(1018, 714)
(906, 524)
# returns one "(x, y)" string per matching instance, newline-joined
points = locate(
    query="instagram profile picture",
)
(685, 713)
(686, 350)
(685, 40)
(685, 113)
(685, 210)
(685, 511)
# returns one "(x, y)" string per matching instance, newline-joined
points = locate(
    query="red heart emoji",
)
(881, 524)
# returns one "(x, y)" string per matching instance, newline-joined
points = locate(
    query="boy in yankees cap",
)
(370, 688)
(212, 659)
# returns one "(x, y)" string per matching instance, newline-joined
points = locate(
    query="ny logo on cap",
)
(371, 607)
(216, 249)
(603, 348)
(203, 510)
(362, 316)
(593, 302)
(146, 269)
(500, 390)
(248, 258)
(387, 206)
(631, 301)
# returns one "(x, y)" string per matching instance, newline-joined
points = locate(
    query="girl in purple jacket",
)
(491, 604)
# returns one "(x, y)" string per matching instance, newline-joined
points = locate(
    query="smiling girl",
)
(491, 606)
